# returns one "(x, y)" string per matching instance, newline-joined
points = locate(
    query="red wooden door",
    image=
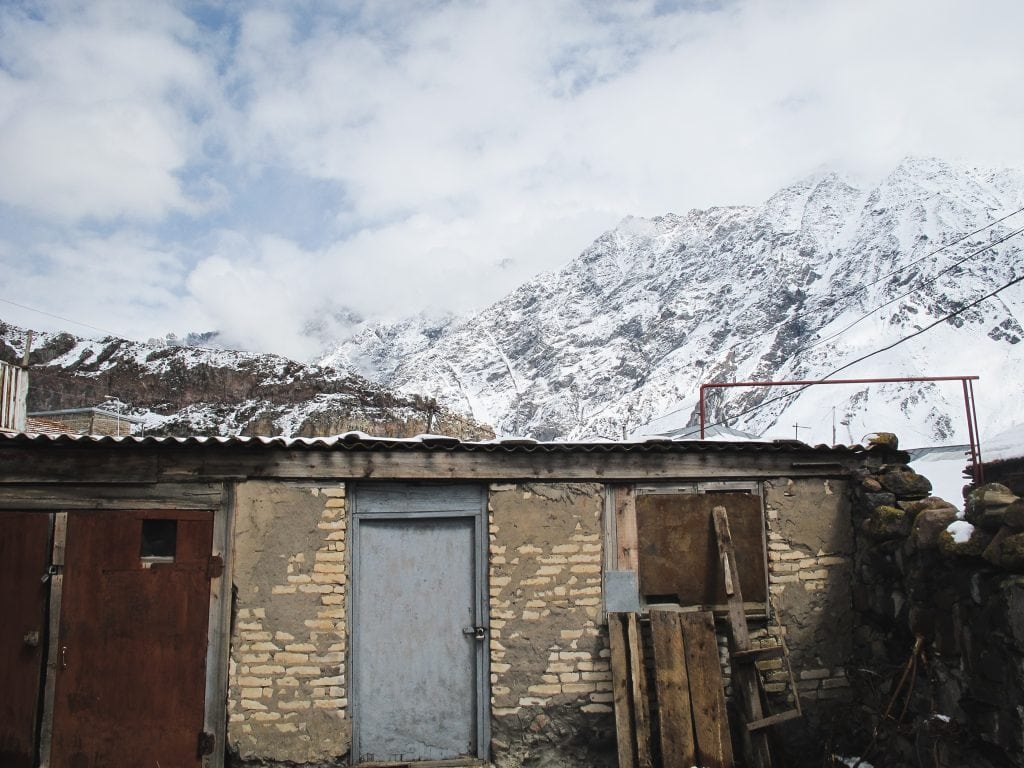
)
(24, 556)
(131, 672)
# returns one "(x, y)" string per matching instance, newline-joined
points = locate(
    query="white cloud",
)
(474, 143)
(94, 102)
(106, 283)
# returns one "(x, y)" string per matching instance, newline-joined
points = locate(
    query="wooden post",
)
(641, 710)
(675, 719)
(627, 557)
(620, 691)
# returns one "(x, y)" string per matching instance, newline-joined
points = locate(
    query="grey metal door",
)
(418, 638)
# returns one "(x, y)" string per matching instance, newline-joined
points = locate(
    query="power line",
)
(929, 255)
(918, 287)
(60, 317)
(861, 359)
(862, 286)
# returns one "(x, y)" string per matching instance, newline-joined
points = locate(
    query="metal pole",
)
(702, 415)
(979, 469)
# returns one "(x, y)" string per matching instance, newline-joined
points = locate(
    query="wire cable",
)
(927, 281)
(60, 317)
(861, 359)
(862, 286)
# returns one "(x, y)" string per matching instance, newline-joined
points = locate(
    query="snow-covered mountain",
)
(177, 389)
(618, 341)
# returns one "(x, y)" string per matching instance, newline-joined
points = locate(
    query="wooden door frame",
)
(481, 598)
(215, 498)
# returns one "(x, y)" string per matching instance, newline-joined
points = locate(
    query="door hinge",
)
(207, 741)
(215, 567)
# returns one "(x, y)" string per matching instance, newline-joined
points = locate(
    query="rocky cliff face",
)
(181, 390)
(619, 341)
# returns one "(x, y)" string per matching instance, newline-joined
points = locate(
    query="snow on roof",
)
(361, 440)
(1005, 445)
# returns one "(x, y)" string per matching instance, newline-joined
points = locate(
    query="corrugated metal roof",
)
(362, 441)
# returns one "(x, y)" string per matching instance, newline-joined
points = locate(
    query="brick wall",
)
(550, 673)
(810, 556)
(287, 690)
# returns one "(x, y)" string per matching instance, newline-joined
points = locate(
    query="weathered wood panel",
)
(707, 694)
(122, 496)
(145, 464)
(13, 396)
(675, 719)
(24, 554)
(679, 553)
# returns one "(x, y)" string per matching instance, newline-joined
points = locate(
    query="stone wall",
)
(550, 670)
(287, 690)
(940, 625)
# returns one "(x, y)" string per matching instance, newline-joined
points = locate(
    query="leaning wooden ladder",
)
(746, 679)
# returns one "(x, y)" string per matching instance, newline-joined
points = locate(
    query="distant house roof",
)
(34, 425)
(94, 411)
(1005, 445)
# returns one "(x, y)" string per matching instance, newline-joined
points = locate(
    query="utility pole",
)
(796, 430)
(117, 411)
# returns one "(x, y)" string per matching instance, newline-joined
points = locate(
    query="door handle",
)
(477, 633)
(63, 657)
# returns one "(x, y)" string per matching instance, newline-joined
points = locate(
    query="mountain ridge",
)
(623, 335)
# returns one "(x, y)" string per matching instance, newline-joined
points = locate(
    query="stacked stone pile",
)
(996, 515)
(924, 577)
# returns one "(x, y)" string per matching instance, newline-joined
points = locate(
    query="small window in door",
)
(159, 541)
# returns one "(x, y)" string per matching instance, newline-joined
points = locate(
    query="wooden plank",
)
(97, 463)
(620, 690)
(731, 576)
(675, 719)
(199, 496)
(781, 717)
(625, 529)
(641, 708)
(746, 680)
(60, 527)
(759, 654)
(707, 694)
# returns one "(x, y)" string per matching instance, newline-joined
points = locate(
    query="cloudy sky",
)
(254, 167)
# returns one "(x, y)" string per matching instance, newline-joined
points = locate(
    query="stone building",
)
(90, 421)
(356, 600)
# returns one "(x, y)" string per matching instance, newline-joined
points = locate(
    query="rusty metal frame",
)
(966, 381)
